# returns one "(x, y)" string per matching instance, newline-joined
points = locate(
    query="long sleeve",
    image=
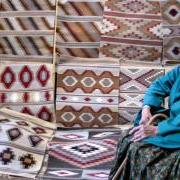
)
(169, 126)
(161, 88)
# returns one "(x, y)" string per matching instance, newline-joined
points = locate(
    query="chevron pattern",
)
(138, 79)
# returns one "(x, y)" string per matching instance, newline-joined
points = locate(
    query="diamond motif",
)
(105, 118)
(22, 123)
(45, 114)
(43, 75)
(86, 117)
(99, 175)
(8, 78)
(26, 110)
(106, 82)
(172, 13)
(7, 156)
(174, 50)
(14, 134)
(70, 81)
(63, 173)
(88, 81)
(26, 76)
(134, 6)
(68, 116)
(39, 130)
(84, 154)
(35, 140)
(85, 149)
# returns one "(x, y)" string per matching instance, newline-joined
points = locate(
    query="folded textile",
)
(28, 88)
(23, 142)
(131, 30)
(87, 92)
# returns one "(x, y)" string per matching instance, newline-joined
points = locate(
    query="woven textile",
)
(23, 142)
(132, 30)
(28, 88)
(171, 31)
(27, 29)
(134, 81)
(78, 28)
(82, 154)
(139, 78)
(87, 92)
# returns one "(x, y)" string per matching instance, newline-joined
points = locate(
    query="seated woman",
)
(153, 151)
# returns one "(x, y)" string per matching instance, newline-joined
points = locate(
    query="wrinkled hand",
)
(145, 116)
(143, 131)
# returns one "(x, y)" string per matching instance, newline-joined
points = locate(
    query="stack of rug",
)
(28, 88)
(23, 143)
(87, 92)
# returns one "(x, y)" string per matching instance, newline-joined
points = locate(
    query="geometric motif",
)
(7, 156)
(133, 100)
(89, 158)
(138, 79)
(87, 96)
(127, 115)
(35, 140)
(131, 30)
(133, 6)
(78, 28)
(22, 150)
(28, 88)
(172, 49)
(27, 161)
(14, 134)
(63, 173)
(170, 12)
(95, 174)
(80, 154)
(171, 30)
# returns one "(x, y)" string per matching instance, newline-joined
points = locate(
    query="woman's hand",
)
(143, 131)
(145, 115)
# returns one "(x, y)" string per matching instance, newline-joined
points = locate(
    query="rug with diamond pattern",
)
(87, 92)
(28, 88)
(23, 142)
(82, 154)
(131, 30)
(171, 31)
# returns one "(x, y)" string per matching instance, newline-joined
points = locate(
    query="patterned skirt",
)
(145, 161)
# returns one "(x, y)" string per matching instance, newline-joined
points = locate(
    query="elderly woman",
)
(153, 151)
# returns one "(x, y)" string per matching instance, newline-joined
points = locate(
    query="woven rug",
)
(78, 28)
(82, 154)
(27, 29)
(28, 88)
(87, 92)
(132, 30)
(171, 31)
(23, 142)
(134, 81)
